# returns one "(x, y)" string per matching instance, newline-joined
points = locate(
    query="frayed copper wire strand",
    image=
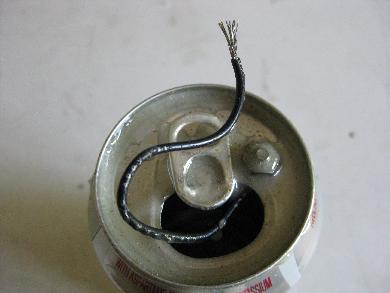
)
(230, 32)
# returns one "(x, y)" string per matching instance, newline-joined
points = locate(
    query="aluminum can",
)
(279, 175)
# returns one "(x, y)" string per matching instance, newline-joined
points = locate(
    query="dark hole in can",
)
(242, 228)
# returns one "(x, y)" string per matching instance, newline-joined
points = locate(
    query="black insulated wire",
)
(149, 153)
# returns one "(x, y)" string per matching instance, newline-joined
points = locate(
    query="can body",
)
(273, 262)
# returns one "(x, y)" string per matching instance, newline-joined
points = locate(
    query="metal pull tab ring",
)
(202, 177)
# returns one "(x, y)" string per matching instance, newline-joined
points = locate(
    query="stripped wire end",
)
(230, 32)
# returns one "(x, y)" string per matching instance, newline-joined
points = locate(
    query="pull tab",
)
(202, 177)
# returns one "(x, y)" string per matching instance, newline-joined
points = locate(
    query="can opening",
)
(241, 229)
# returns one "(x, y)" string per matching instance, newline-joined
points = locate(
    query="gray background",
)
(70, 69)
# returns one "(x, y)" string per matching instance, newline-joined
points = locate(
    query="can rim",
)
(147, 275)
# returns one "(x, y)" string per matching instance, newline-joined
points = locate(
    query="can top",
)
(287, 198)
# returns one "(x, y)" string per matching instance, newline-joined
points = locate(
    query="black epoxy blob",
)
(242, 228)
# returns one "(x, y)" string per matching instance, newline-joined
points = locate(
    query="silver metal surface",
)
(261, 157)
(273, 262)
(202, 177)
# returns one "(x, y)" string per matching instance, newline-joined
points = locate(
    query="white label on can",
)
(289, 270)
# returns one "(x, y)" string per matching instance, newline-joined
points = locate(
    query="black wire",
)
(153, 151)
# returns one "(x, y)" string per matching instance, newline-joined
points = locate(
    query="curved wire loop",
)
(149, 153)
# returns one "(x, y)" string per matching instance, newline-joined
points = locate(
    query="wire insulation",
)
(153, 151)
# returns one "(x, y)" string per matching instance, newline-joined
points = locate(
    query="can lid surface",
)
(287, 198)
